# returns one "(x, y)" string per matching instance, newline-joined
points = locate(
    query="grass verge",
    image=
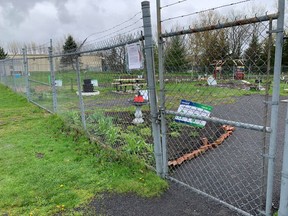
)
(47, 168)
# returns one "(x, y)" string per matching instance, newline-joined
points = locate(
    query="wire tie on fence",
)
(158, 154)
(284, 175)
(271, 102)
(274, 31)
(261, 212)
(268, 156)
(148, 47)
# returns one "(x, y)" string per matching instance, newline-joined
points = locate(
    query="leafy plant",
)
(175, 134)
(175, 126)
(194, 134)
(103, 126)
(146, 132)
(136, 145)
(72, 118)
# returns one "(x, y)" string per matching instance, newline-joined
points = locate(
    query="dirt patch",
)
(42, 88)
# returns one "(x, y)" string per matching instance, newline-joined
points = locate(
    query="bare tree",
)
(15, 48)
(205, 47)
(115, 58)
(237, 36)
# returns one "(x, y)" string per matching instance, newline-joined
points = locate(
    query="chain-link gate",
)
(216, 95)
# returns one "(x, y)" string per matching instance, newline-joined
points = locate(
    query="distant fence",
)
(197, 106)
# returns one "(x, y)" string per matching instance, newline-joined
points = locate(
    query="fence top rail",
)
(241, 22)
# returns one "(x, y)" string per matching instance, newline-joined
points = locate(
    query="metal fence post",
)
(275, 106)
(81, 103)
(283, 209)
(52, 71)
(13, 74)
(265, 122)
(2, 71)
(5, 73)
(152, 85)
(26, 73)
(162, 90)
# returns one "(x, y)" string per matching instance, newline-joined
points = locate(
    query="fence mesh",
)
(39, 79)
(221, 71)
(11, 74)
(108, 88)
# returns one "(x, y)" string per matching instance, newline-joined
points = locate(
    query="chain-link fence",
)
(11, 74)
(215, 128)
(100, 82)
(216, 93)
(101, 86)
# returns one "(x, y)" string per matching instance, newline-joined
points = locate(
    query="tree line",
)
(250, 43)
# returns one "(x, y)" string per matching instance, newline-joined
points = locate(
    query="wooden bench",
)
(122, 84)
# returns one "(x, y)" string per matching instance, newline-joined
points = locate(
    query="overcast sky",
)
(37, 21)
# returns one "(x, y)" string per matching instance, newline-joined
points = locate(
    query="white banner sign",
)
(134, 56)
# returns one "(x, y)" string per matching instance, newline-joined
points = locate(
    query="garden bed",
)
(181, 138)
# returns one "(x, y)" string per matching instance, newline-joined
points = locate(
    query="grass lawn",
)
(48, 168)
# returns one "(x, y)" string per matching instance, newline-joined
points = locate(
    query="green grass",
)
(47, 167)
(196, 91)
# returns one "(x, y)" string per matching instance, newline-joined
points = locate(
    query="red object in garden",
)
(139, 99)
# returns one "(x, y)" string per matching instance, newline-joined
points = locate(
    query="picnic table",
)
(122, 84)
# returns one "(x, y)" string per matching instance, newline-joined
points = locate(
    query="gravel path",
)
(233, 171)
(178, 200)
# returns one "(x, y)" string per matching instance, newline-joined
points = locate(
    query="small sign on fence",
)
(134, 56)
(58, 83)
(192, 108)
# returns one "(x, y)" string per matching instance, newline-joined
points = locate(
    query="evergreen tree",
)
(175, 55)
(115, 59)
(3, 55)
(217, 47)
(285, 52)
(253, 53)
(264, 55)
(70, 46)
